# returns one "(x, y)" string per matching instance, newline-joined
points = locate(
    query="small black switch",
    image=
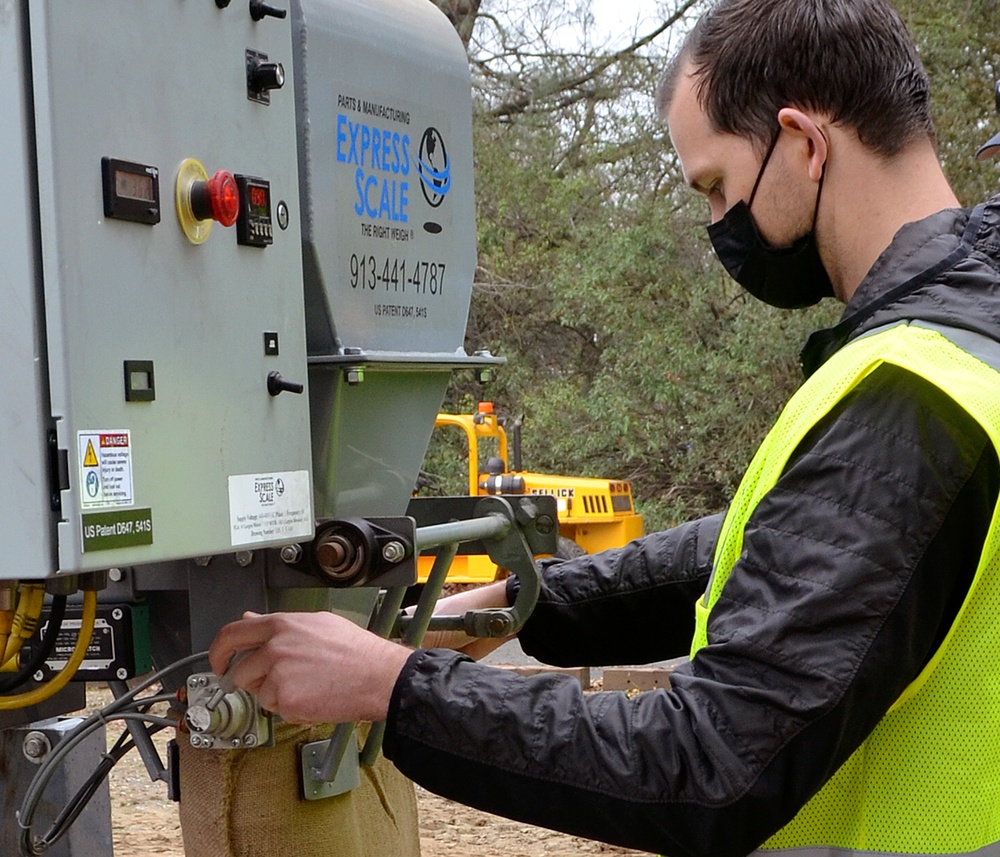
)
(260, 10)
(276, 385)
(270, 343)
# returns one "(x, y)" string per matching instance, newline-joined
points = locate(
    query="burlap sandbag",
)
(246, 803)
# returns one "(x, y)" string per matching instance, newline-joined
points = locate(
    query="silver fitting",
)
(291, 554)
(222, 718)
(7, 591)
(393, 551)
(36, 747)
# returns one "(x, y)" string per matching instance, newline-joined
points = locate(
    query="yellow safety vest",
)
(927, 779)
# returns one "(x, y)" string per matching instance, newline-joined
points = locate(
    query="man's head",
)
(807, 125)
(851, 60)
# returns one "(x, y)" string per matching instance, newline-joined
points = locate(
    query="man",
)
(841, 692)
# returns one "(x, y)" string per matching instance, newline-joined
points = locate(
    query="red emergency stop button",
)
(202, 201)
(217, 199)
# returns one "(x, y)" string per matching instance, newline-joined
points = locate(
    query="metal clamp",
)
(513, 530)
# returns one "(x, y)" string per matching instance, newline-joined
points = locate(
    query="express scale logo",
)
(434, 167)
(384, 163)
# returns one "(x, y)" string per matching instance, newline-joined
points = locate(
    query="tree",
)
(462, 14)
(630, 351)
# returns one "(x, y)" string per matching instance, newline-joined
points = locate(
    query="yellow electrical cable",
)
(29, 610)
(61, 679)
(8, 598)
(6, 622)
(20, 604)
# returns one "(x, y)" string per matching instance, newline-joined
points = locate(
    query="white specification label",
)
(105, 468)
(269, 507)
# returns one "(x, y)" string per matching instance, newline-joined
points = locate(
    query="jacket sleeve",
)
(630, 605)
(854, 567)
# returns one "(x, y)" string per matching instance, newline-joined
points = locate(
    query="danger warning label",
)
(105, 468)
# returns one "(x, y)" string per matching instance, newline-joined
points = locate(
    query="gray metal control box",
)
(153, 355)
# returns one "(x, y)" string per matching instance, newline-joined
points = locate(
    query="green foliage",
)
(959, 42)
(630, 352)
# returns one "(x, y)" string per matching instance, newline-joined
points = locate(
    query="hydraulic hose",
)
(61, 679)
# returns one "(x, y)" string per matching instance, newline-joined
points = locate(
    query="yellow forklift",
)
(594, 514)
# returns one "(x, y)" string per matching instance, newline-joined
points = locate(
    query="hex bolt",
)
(498, 625)
(36, 747)
(354, 375)
(291, 554)
(244, 558)
(202, 561)
(116, 575)
(526, 512)
(394, 551)
(545, 524)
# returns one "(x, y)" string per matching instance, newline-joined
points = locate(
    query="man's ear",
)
(803, 126)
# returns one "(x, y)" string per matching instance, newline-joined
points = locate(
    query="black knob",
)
(277, 385)
(222, 3)
(259, 9)
(265, 76)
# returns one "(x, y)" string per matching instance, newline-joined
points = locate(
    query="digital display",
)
(131, 190)
(259, 206)
(134, 185)
(253, 226)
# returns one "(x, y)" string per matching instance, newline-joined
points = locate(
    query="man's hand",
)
(311, 667)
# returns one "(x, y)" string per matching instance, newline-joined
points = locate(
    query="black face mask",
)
(784, 277)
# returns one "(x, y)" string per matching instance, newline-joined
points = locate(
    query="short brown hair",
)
(851, 59)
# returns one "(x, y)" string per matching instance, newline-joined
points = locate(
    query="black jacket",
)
(854, 566)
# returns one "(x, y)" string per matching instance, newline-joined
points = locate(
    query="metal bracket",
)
(348, 775)
(512, 529)
(350, 552)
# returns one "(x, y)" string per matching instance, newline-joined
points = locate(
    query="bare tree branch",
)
(521, 101)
